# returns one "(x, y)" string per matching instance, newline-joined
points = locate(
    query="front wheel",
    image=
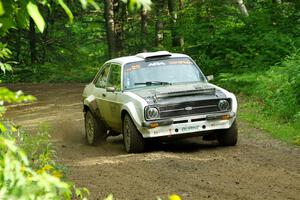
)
(94, 132)
(133, 140)
(229, 136)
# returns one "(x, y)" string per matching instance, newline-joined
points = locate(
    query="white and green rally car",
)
(157, 95)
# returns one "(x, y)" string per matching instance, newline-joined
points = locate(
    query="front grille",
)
(190, 108)
(187, 92)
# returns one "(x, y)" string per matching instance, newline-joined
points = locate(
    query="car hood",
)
(179, 93)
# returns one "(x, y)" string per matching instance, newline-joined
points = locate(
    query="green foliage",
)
(36, 177)
(63, 63)
(15, 13)
(19, 181)
(14, 97)
(35, 14)
(215, 33)
(276, 90)
(138, 4)
(221, 40)
(5, 54)
(66, 9)
(28, 169)
(37, 147)
(10, 97)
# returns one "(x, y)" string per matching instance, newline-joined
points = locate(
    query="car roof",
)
(144, 56)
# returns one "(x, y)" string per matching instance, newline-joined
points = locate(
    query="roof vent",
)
(153, 55)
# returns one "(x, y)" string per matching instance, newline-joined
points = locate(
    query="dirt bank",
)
(257, 168)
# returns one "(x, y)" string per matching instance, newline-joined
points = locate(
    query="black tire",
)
(228, 137)
(94, 132)
(133, 140)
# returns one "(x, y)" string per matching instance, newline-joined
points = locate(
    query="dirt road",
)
(257, 168)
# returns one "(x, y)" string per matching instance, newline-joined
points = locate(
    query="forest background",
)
(251, 47)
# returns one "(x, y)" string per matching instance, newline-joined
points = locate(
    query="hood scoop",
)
(196, 90)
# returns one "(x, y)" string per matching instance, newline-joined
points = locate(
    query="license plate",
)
(193, 128)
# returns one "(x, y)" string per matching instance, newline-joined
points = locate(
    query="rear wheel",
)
(133, 140)
(94, 132)
(229, 136)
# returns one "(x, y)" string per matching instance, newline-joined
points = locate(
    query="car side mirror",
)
(210, 77)
(110, 89)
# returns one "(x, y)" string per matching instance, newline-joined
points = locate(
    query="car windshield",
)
(161, 72)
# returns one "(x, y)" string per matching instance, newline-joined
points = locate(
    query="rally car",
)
(158, 95)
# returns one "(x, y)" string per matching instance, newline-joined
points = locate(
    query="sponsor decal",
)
(156, 64)
(180, 62)
(133, 68)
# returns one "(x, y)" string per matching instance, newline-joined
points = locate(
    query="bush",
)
(28, 169)
(19, 181)
(38, 148)
(277, 88)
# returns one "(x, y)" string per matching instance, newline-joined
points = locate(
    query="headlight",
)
(151, 113)
(223, 105)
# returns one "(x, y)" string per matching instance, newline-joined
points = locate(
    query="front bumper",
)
(186, 125)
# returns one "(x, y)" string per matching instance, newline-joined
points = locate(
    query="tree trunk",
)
(119, 17)
(243, 8)
(173, 13)
(159, 27)
(181, 39)
(32, 41)
(181, 4)
(177, 40)
(144, 29)
(110, 27)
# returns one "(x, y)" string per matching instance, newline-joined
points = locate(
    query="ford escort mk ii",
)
(157, 95)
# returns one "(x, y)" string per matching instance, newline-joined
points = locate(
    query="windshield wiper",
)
(148, 83)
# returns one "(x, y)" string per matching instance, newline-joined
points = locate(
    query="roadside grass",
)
(251, 110)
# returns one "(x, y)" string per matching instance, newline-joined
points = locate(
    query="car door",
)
(100, 92)
(114, 95)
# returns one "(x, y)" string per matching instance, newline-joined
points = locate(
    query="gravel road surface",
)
(259, 167)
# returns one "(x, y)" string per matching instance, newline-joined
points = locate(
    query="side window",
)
(102, 78)
(114, 79)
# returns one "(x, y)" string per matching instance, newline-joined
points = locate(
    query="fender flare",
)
(91, 104)
(130, 109)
